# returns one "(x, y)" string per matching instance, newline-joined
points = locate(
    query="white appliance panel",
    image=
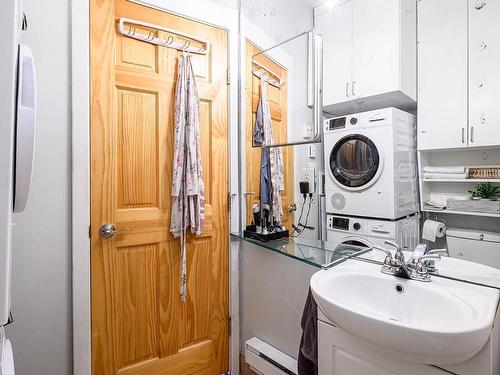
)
(9, 29)
(369, 232)
(392, 191)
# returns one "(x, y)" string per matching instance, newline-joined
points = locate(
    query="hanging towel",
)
(444, 169)
(446, 176)
(264, 134)
(265, 161)
(308, 351)
(188, 190)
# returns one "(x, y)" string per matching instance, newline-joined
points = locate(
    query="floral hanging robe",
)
(188, 190)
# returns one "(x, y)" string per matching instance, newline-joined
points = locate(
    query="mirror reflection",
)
(384, 171)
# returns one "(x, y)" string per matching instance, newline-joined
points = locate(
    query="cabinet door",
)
(484, 73)
(376, 54)
(442, 74)
(336, 29)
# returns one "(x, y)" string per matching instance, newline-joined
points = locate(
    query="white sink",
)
(441, 322)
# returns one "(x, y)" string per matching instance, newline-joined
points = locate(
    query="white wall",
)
(41, 301)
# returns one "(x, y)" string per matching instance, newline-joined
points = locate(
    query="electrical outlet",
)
(309, 176)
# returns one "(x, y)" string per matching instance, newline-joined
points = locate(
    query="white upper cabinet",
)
(458, 74)
(442, 74)
(337, 33)
(369, 55)
(484, 73)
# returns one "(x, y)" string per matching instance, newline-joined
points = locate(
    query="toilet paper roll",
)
(432, 230)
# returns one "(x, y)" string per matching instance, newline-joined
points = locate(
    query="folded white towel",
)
(444, 176)
(453, 170)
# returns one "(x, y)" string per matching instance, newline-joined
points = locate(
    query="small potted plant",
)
(485, 190)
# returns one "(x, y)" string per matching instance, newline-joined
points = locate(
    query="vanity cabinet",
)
(369, 55)
(340, 353)
(458, 79)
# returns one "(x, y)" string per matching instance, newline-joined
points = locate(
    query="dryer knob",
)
(356, 226)
(353, 121)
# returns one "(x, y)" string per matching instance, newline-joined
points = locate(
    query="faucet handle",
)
(399, 253)
(425, 264)
(388, 258)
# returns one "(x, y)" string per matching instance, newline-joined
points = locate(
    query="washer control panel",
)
(361, 226)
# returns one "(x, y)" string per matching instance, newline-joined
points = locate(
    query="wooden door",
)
(278, 103)
(484, 77)
(139, 324)
(442, 74)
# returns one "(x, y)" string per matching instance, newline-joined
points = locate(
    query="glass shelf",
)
(316, 253)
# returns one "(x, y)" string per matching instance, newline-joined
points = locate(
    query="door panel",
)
(442, 74)
(139, 324)
(484, 77)
(278, 104)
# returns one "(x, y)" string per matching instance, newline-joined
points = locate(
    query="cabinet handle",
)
(463, 135)
(352, 88)
(471, 134)
(347, 89)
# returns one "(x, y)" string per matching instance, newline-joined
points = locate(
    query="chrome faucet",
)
(419, 266)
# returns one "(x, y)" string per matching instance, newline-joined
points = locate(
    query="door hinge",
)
(228, 82)
(229, 329)
(90, 232)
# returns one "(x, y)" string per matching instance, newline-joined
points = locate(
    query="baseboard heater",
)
(265, 359)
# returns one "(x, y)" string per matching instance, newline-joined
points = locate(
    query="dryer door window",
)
(354, 161)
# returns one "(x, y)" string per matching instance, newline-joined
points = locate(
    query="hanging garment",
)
(275, 158)
(265, 162)
(188, 199)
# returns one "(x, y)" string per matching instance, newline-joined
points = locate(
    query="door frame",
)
(217, 16)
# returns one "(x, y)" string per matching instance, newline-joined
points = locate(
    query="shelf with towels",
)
(452, 174)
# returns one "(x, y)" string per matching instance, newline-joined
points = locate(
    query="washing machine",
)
(347, 231)
(371, 164)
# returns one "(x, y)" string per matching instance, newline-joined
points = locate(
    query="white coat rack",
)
(132, 32)
(267, 74)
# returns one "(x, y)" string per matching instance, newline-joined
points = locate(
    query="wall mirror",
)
(281, 60)
(276, 45)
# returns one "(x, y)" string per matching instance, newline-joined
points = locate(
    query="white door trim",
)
(80, 216)
(80, 116)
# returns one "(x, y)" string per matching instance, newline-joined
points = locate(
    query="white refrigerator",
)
(17, 135)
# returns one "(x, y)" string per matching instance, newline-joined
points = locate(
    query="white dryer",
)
(371, 164)
(345, 231)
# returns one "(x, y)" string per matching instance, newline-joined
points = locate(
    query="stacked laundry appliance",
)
(371, 187)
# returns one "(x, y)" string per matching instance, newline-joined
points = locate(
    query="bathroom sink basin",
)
(441, 322)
